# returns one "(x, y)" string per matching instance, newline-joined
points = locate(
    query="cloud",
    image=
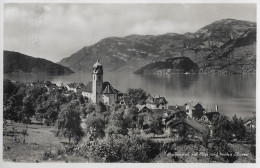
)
(55, 31)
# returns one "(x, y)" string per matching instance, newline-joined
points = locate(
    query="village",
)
(101, 112)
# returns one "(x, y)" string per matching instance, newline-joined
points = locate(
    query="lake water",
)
(234, 94)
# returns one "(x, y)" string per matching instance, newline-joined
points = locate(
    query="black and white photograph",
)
(129, 82)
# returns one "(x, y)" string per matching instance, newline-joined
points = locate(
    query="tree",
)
(36, 91)
(117, 124)
(183, 131)
(68, 123)
(8, 113)
(140, 122)
(61, 98)
(24, 133)
(222, 134)
(206, 137)
(27, 111)
(90, 108)
(238, 127)
(95, 126)
(9, 88)
(81, 99)
(136, 96)
(101, 107)
(132, 112)
(222, 128)
(131, 116)
(157, 125)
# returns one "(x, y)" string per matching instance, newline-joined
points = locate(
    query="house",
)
(180, 108)
(99, 91)
(147, 115)
(208, 117)
(75, 87)
(194, 130)
(194, 110)
(68, 93)
(156, 103)
(164, 113)
(37, 83)
(250, 124)
(176, 115)
(150, 114)
(50, 86)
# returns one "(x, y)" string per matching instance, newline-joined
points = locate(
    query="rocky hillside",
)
(17, 62)
(171, 65)
(133, 52)
(235, 56)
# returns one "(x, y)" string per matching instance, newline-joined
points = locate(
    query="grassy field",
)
(39, 140)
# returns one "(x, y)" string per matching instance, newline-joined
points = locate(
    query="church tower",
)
(97, 83)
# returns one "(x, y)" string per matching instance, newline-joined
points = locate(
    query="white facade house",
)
(75, 87)
(99, 91)
(157, 103)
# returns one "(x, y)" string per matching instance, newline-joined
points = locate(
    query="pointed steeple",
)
(97, 68)
(97, 64)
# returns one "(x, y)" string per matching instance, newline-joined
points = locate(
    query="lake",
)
(234, 94)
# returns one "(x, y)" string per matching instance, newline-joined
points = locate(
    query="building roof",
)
(199, 127)
(88, 87)
(157, 101)
(107, 88)
(161, 112)
(210, 115)
(191, 104)
(192, 123)
(173, 122)
(97, 68)
(177, 108)
(198, 106)
(250, 121)
(140, 107)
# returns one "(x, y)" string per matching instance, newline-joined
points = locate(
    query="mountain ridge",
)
(132, 52)
(18, 62)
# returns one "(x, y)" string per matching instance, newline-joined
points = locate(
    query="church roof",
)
(88, 87)
(107, 88)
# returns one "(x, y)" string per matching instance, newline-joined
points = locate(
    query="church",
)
(99, 91)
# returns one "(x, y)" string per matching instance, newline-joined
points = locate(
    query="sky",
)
(55, 31)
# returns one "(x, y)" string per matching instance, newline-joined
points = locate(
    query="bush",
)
(53, 153)
(137, 132)
(253, 150)
(46, 121)
(119, 148)
(47, 155)
(147, 131)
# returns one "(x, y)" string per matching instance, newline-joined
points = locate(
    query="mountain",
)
(235, 56)
(135, 51)
(17, 62)
(170, 65)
